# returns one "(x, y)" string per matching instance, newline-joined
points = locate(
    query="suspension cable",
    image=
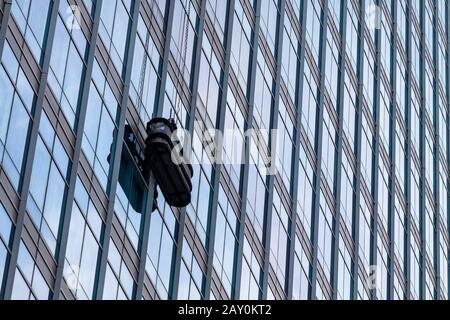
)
(183, 55)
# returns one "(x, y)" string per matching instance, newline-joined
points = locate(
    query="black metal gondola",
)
(173, 179)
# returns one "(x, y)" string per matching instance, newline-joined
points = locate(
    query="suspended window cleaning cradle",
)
(173, 179)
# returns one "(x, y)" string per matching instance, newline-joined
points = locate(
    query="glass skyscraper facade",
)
(358, 91)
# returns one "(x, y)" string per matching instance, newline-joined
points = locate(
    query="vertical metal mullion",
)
(436, 152)
(64, 233)
(100, 283)
(274, 126)
(165, 61)
(4, 24)
(143, 249)
(296, 156)
(145, 237)
(340, 108)
(218, 166)
(190, 128)
(392, 154)
(408, 151)
(377, 100)
(359, 107)
(244, 176)
(319, 132)
(196, 73)
(447, 89)
(422, 191)
(31, 151)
